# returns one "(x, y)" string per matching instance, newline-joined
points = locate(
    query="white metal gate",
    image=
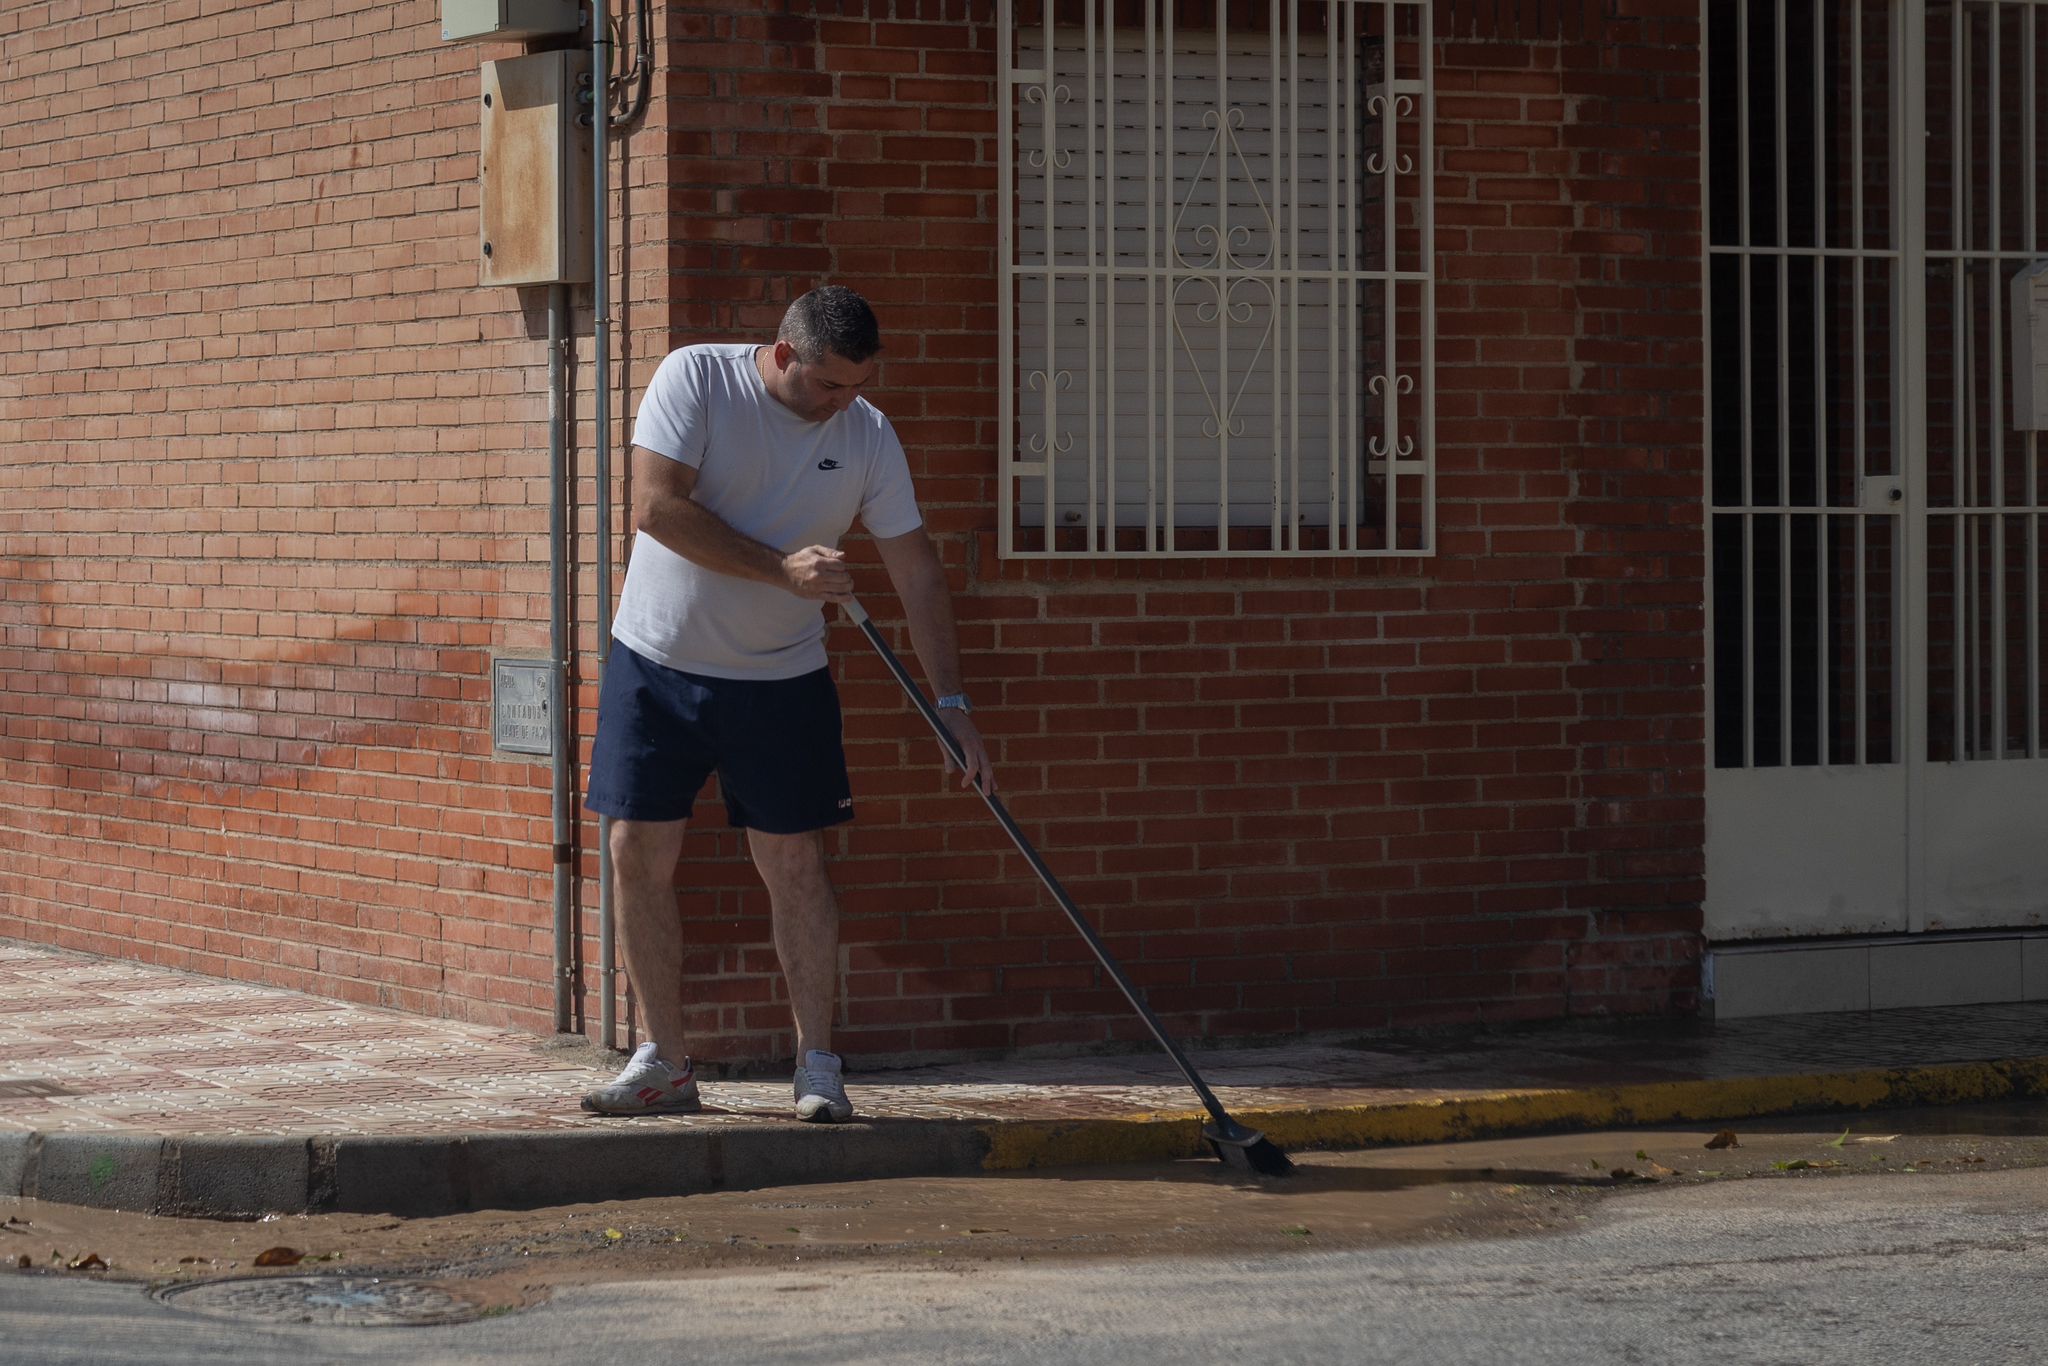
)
(1876, 513)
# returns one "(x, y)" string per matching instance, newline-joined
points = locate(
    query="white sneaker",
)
(821, 1090)
(648, 1086)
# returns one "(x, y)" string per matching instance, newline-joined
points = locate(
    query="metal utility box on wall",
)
(520, 723)
(2030, 348)
(510, 20)
(534, 168)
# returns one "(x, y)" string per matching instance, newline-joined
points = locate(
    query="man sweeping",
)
(749, 465)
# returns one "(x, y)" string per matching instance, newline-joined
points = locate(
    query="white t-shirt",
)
(769, 475)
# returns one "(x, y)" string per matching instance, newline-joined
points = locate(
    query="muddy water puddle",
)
(1184, 1208)
(1514, 1187)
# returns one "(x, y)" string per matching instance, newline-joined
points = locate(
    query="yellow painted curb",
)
(1166, 1135)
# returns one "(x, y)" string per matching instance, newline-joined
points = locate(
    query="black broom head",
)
(1246, 1150)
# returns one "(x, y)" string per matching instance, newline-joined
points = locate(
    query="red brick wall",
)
(272, 491)
(1295, 797)
(246, 654)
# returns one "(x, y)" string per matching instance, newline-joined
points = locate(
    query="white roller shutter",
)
(1200, 290)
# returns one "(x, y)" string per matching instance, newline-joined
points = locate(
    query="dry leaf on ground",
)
(1725, 1139)
(279, 1256)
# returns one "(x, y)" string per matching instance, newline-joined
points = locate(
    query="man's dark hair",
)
(832, 319)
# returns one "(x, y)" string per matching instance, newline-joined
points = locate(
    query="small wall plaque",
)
(520, 723)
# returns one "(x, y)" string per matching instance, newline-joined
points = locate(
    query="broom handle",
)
(859, 617)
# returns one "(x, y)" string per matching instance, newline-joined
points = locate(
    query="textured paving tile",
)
(100, 1046)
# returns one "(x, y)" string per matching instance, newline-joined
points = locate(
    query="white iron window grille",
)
(1217, 295)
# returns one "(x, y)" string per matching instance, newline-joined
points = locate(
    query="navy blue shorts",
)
(774, 743)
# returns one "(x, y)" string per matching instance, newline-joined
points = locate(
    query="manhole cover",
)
(359, 1300)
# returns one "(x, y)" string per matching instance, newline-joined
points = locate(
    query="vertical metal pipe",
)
(563, 761)
(601, 413)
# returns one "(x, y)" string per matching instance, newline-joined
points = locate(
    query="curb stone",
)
(243, 1177)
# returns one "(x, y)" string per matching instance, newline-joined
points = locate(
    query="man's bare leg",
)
(805, 916)
(644, 856)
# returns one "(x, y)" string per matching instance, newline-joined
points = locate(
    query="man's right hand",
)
(819, 574)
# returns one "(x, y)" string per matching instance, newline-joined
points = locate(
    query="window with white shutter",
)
(1217, 296)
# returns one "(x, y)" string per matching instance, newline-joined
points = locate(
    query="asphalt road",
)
(1803, 1266)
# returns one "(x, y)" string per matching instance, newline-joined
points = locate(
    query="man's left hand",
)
(978, 773)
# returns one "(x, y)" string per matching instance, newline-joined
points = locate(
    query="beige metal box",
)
(507, 19)
(535, 171)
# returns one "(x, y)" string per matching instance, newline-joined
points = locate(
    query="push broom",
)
(1233, 1143)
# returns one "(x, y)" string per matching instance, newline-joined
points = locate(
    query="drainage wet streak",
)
(364, 1301)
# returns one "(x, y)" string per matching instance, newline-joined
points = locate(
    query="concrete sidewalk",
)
(140, 1088)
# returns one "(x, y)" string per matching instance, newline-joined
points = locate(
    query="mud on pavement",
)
(503, 1259)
